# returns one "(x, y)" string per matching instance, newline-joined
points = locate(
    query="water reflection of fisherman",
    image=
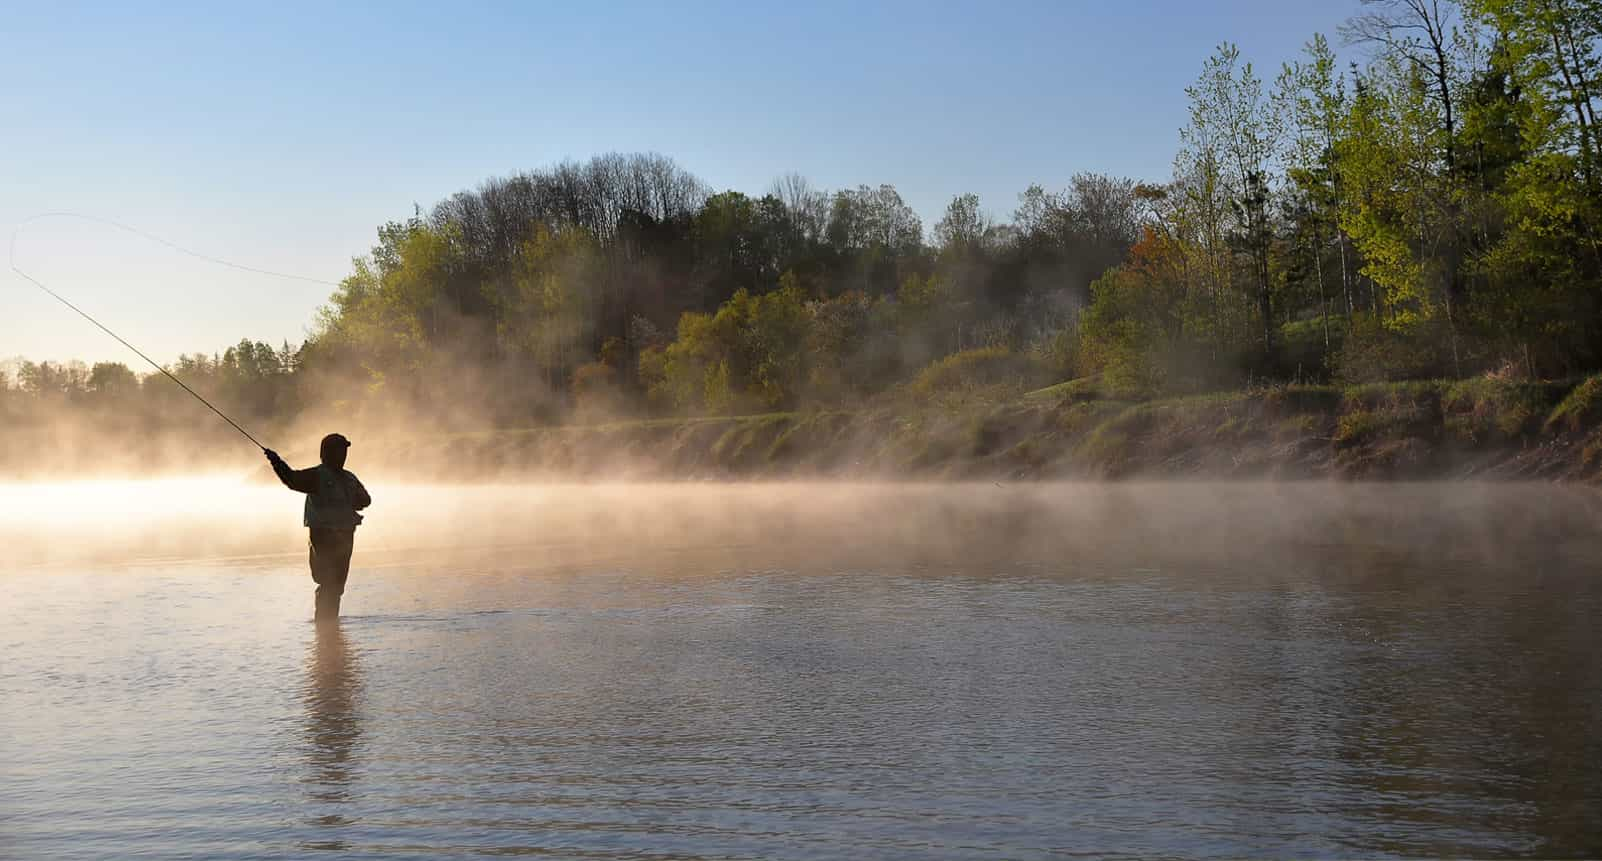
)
(333, 729)
(333, 497)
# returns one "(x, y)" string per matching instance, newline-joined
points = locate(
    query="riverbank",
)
(1482, 428)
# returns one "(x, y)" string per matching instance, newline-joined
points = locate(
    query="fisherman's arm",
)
(358, 494)
(304, 480)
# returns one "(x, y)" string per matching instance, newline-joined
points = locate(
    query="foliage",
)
(1435, 212)
(976, 369)
(1580, 409)
(749, 355)
(1374, 352)
(1494, 409)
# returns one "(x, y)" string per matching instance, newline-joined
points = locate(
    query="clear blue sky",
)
(280, 135)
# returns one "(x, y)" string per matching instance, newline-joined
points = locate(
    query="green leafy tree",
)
(1311, 99)
(1229, 149)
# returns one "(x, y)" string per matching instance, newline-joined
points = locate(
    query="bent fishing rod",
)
(123, 341)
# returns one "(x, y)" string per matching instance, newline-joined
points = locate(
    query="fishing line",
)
(65, 213)
(123, 341)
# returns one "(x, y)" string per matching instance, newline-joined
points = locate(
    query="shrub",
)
(1582, 408)
(1372, 353)
(983, 368)
(1490, 407)
(596, 393)
(1391, 412)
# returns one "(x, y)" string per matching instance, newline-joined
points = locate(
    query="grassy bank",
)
(1480, 428)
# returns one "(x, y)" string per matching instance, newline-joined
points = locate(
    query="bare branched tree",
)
(806, 208)
(1419, 31)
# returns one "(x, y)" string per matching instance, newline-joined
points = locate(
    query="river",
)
(794, 671)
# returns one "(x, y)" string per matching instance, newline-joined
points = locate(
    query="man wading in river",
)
(333, 496)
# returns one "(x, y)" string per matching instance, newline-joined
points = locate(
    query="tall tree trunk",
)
(1323, 300)
(1340, 243)
(1265, 306)
(1434, 29)
(1346, 278)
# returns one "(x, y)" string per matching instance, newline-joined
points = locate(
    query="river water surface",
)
(805, 671)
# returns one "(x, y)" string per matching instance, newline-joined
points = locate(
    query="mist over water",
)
(805, 670)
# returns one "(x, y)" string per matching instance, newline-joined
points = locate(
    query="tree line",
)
(254, 381)
(552, 290)
(1427, 208)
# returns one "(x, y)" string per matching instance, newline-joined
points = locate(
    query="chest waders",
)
(331, 521)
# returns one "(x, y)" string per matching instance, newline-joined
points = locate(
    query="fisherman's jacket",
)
(333, 496)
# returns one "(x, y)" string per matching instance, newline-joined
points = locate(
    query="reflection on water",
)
(794, 672)
(333, 731)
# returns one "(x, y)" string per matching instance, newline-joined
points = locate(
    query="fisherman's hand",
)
(272, 456)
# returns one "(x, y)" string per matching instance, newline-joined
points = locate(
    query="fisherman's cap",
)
(335, 439)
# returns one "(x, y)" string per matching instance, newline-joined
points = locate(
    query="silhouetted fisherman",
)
(333, 497)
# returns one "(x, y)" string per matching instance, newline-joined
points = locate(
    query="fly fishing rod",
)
(120, 339)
